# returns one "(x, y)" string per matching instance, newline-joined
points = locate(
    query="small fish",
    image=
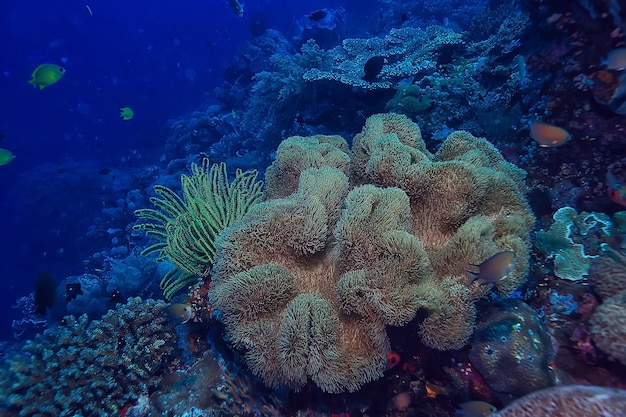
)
(392, 359)
(113, 231)
(72, 291)
(547, 135)
(493, 269)
(237, 7)
(318, 15)
(45, 292)
(615, 189)
(475, 409)
(372, 68)
(521, 69)
(615, 60)
(46, 74)
(126, 113)
(434, 390)
(89, 10)
(179, 313)
(115, 296)
(6, 156)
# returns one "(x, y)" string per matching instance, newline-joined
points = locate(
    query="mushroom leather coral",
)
(305, 284)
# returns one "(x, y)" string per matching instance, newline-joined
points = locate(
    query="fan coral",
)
(511, 337)
(570, 401)
(607, 327)
(89, 369)
(306, 284)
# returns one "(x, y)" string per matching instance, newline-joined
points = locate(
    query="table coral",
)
(89, 369)
(409, 50)
(306, 284)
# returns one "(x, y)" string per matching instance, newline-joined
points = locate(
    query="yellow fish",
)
(46, 74)
(475, 409)
(497, 267)
(6, 156)
(179, 313)
(126, 113)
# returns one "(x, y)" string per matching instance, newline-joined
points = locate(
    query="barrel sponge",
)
(311, 303)
(296, 153)
(511, 338)
(570, 401)
(608, 330)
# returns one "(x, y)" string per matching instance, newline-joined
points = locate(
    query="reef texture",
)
(569, 401)
(306, 283)
(408, 51)
(607, 273)
(89, 369)
(607, 327)
(511, 337)
(573, 240)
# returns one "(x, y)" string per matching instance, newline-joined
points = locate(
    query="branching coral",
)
(306, 283)
(409, 50)
(186, 227)
(89, 369)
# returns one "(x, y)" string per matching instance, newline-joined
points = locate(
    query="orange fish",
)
(547, 135)
(494, 268)
(392, 359)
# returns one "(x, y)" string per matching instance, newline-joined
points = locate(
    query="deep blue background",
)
(128, 53)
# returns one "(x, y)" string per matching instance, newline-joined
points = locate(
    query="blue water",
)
(163, 59)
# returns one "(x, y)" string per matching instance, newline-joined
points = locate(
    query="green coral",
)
(353, 241)
(573, 240)
(409, 100)
(186, 228)
(89, 369)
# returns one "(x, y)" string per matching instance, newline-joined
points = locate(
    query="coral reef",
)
(89, 369)
(607, 273)
(409, 51)
(186, 228)
(570, 401)
(607, 327)
(573, 240)
(510, 337)
(306, 287)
